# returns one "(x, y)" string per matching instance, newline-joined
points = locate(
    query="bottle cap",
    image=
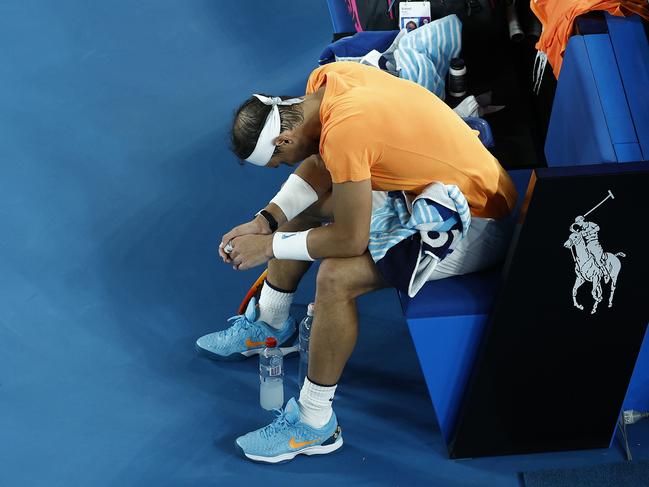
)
(310, 309)
(457, 63)
(271, 342)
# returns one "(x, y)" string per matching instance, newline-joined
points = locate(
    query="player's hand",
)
(258, 226)
(249, 251)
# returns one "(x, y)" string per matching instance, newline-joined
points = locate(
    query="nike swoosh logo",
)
(251, 344)
(288, 235)
(299, 444)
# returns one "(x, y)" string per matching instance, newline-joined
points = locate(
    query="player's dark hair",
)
(249, 120)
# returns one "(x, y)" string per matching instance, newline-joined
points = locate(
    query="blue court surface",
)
(116, 185)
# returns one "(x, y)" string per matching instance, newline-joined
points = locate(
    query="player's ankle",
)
(274, 305)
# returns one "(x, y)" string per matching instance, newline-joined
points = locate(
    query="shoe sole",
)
(237, 356)
(287, 457)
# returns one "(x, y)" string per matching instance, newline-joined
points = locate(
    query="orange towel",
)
(558, 16)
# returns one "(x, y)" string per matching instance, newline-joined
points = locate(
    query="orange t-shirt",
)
(401, 136)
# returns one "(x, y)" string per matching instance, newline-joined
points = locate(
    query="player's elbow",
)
(356, 245)
(349, 242)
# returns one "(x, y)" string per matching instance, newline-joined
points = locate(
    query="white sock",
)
(315, 403)
(274, 305)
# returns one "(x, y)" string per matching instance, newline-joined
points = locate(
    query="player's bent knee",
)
(332, 278)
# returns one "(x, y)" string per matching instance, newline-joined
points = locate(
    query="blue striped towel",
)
(424, 54)
(440, 215)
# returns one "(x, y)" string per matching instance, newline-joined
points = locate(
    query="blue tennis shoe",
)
(246, 336)
(287, 437)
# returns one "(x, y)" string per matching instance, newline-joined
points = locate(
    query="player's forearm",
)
(335, 241)
(302, 189)
(348, 236)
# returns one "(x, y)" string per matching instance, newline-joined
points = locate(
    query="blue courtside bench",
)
(446, 320)
(603, 85)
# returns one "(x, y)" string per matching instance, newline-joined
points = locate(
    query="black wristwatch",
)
(272, 223)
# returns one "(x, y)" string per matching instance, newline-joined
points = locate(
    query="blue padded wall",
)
(632, 55)
(610, 93)
(578, 133)
(341, 19)
(600, 111)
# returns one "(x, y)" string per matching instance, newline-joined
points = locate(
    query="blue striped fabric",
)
(424, 54)
(438, 208)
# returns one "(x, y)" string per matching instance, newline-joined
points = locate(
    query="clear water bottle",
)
(305, 336)
(271, 376)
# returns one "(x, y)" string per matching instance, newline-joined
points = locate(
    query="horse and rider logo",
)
(592, 264)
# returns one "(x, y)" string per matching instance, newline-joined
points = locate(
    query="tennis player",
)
(356, 129)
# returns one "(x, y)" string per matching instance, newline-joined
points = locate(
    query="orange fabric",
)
(401, 136)
(558, 17)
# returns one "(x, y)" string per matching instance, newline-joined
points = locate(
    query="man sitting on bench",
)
(357, 129)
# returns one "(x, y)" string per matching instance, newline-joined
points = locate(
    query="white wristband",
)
(295, 196)
(291, 246)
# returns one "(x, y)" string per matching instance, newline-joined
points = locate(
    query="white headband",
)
(266, 142)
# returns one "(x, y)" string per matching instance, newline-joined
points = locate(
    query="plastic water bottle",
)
(305, 336)
(271, 376)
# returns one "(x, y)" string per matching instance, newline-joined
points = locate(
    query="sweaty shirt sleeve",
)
(346, 157)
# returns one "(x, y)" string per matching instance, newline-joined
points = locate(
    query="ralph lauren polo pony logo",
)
(592, 264)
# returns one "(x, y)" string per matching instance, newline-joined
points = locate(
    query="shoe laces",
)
(239, 323)
(280, 423)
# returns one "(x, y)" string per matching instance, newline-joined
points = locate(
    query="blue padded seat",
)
(446, 320)
(461, 295)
